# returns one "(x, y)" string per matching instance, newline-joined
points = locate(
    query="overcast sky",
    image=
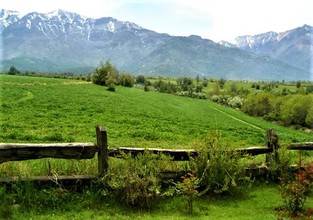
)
(211, 19)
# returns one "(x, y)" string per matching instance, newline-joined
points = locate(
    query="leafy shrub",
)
(105, 74)
(309, 117)
(136, 180)
(257, 104)
(188, 188)
(127, 80)
(295, 109)
(5, 207)
(281, 168)
(222, 99)
(219, 169)
(235, 102)
(295, 192)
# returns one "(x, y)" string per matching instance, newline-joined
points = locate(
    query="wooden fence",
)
(18, 152)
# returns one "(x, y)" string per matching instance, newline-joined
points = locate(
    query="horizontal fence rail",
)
(180, 154)
(20, 151)
(17, 152)
(301, 146)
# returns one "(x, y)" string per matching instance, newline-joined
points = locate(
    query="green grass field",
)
(57, 110)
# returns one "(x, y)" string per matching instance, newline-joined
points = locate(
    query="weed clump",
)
(136, 180)
(219, 169)
(294, 192)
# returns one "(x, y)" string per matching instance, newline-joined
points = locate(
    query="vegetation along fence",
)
(18, 152)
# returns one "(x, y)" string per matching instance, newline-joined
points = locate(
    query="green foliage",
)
(219, 169)
(235, 102)
(13, 71)
(298, 84)
(6, 210)
(290, 109)
(309, 117)
(126, 79)
(280, 168)
(257, 104)
(295, 109)
(24, 196)
(164, 87)
(136, 181)
(140, 79)
(221, 83)
(188, 188)
(295, 192)
(105, 75)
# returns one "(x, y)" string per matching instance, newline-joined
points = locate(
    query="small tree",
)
(221, 83)
(295, 109)
(104, 74)
(127, 80)
(140, 79)
(298, 84)
(13, 71)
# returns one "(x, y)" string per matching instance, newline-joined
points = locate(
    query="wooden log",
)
(17, 152)
(102, 142)
(75, 182)
(272, 145)
(180, 154)
(176, 154)
(301, 146)
(253, 151)
(46, 178)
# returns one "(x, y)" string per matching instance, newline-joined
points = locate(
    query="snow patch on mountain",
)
(8, 17)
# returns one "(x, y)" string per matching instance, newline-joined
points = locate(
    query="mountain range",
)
(62, 41)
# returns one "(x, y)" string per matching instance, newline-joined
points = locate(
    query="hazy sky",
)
(212, 19)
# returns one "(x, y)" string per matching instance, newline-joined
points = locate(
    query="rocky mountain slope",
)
(293, 47)
(62, 41)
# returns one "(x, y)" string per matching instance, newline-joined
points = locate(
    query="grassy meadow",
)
(46, 110)
(57, 110)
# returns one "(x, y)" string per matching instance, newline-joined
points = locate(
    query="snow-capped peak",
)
(54, 13)
(6, 13)
(8, 17)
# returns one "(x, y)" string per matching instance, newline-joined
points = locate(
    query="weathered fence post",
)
(272, 143)
(102, 142)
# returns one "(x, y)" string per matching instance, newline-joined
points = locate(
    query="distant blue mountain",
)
(62, 41)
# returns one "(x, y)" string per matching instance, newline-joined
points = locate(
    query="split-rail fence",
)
(20, 151)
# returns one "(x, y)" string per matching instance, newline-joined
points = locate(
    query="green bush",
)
(126, 79)
(309, 117)
(295, 109)
(188, 188)
(5, 206)
(136, 181)
(105, 74)
(257, 104)
(295, 192)
(219, 169)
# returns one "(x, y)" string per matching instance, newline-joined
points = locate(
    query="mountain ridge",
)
(60, 40)
(293, 47)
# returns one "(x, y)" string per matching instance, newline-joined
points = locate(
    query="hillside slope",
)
(55, 110)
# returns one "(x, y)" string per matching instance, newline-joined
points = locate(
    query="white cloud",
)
(233, 18)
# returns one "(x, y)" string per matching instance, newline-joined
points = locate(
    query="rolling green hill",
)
(56, 110)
